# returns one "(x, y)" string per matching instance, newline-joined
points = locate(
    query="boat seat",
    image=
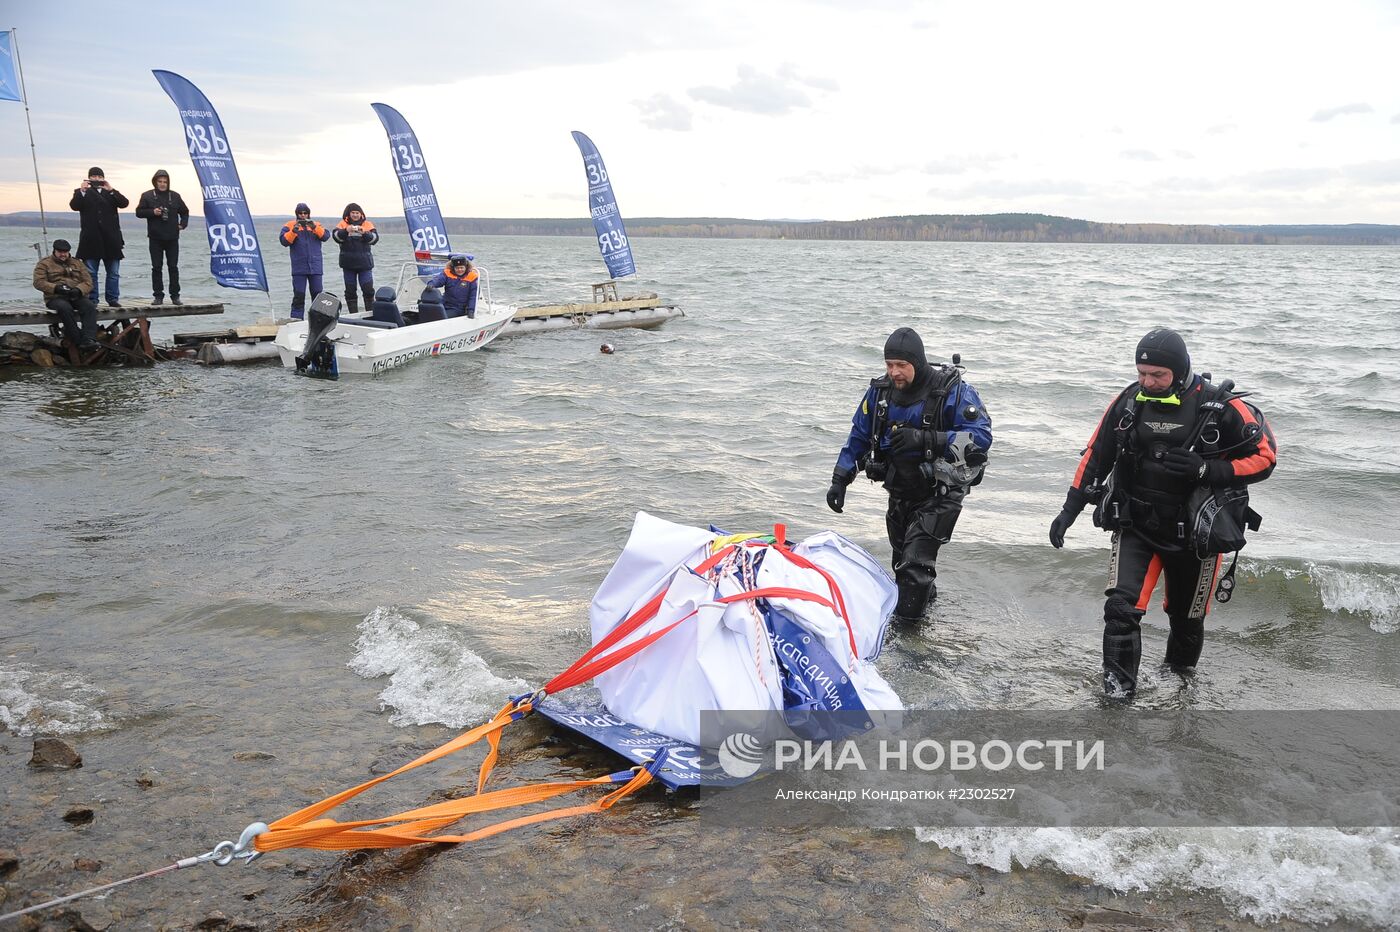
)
(369, 322)
(430, 306)
(385, 308)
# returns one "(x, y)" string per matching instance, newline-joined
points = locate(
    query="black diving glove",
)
(836, 495)
(1188, 464)
(912, 441)
(1062, 523)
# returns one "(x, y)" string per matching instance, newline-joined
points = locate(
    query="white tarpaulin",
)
(809, 643)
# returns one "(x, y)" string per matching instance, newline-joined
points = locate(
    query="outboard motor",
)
(318, 357)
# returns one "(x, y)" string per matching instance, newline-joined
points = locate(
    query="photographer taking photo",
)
(304, 236)
(100, 239)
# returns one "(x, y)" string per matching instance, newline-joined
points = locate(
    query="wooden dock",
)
(127, 339)
(33, 312)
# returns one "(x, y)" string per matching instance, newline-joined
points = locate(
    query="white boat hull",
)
(641, 318)
(361, 350)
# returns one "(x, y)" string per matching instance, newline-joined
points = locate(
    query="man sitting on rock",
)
(66, 285)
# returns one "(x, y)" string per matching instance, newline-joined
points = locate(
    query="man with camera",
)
(356, 235)
(100, 239)
(66, 284)
(166, 215)
(1164, 444)
(924, 433)
(304, 236)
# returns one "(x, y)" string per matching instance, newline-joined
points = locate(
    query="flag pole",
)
(33, 153)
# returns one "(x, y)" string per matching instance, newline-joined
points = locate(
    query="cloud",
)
(1396, 118)
(788, 72)
(662, 111)
(763, 94)
(1139, 155)
(961, 164)
(846, 176)
(1221, 129)
(1322, 116)
(1381, 172)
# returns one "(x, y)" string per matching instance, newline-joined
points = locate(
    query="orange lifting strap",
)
(305, 829)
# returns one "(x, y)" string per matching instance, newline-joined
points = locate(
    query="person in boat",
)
(66, 284)
(304, 236)
(457, 281)
(356, 236)
(1156, 446)
(923, 432)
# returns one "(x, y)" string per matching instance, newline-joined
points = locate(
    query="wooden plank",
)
(256, 332)
(584, 310)
(28, 312)
(204, 336)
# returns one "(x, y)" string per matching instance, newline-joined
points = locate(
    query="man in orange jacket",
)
(304, 236)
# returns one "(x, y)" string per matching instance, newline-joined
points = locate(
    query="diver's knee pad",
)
(1184, 643)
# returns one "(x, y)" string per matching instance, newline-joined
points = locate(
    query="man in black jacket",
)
(100, 240)
(1158, 441)
(166, 215)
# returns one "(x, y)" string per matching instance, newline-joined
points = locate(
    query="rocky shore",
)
(83, 812)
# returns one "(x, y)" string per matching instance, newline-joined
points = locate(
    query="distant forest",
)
(980, 228)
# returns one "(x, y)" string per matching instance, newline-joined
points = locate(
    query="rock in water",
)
(42, 357)
(19, 340)
(55, 754)
(78, 815)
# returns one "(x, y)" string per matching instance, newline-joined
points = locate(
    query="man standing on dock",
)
(166, 215)
(100, 239)
(304, 236)
(66, 284)
(924, 433)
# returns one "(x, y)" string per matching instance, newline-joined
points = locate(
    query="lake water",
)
(199, 562)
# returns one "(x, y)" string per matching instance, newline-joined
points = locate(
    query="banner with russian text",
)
(602, 204)
(234, 257)
(420, 206)
(9, 72)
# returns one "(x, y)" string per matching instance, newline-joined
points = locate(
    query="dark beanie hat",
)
(904, 344)
(1165, 347)
(62, 245)
(345, 214)
(96, 171)
(302, 208)
(160, 173)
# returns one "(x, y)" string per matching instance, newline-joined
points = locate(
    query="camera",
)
(303, 224)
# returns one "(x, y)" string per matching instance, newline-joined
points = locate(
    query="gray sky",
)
(1190, 112)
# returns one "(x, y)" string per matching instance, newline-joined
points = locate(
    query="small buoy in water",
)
(607, 348)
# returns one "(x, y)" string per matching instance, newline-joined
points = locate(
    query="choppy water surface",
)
(203, 562)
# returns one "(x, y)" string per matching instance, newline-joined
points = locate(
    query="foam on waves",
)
(1266, 874)
(433, 676)
(37, 702)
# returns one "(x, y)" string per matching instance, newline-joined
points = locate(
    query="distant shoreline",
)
(975, 228)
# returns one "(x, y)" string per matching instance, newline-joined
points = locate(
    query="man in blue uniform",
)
(304, 236)
(924, 433)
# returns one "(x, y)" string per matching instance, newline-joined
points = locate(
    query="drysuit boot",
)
(916, 590)
(352, 302)
(1122, 652)
(1184, 643)
(369, 298)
